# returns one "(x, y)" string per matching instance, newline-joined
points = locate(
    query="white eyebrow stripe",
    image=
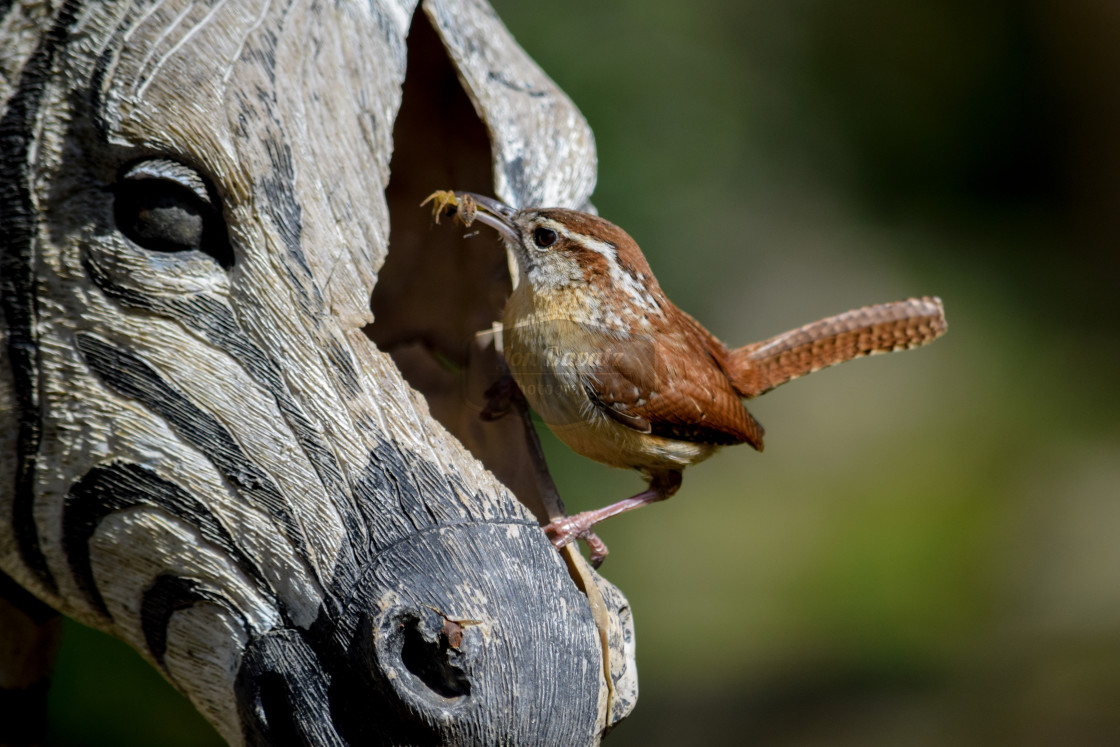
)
(628, 282)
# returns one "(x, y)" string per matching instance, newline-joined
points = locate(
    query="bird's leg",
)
(500, 398)
(561, 531)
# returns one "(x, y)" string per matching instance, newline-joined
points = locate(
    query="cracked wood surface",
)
(202, 451)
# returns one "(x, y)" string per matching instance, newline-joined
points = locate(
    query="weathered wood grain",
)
(202, 452)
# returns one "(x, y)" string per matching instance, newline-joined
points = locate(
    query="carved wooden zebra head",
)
(200, 450)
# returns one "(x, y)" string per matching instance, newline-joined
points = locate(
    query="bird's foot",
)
(566, 529)
(501, 397)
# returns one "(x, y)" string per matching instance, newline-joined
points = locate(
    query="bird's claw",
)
(565, 530)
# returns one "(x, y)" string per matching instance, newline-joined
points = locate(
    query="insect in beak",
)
(471, 207)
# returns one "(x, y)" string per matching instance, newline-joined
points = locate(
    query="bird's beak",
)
(497, 215)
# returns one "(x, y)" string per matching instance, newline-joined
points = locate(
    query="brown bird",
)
(624, 377)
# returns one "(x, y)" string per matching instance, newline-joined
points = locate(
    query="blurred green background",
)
(928, 552)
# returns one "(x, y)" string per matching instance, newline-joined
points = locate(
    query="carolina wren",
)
(623, 376)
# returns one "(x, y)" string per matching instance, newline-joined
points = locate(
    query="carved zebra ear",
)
(166, 206)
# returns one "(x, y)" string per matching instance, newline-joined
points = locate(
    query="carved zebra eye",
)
(165, 206)
(544, 237)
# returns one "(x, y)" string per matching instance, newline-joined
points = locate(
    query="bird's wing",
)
(675, 388)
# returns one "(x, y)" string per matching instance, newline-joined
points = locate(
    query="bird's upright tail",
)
(883, 328)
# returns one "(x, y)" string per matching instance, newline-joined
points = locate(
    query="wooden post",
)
(201, 450)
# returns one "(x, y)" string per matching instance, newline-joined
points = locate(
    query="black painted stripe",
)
(402, 494)
(97, 92)
(390, 498)
(283, 691)
(167, 595)
(18, 221)
(216, 322)
(122, 485)
(131, 377)
(343, 365)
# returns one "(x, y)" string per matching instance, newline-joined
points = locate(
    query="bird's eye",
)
(544, 237)
(165, 206)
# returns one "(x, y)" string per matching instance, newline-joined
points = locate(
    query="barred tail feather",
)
(882, 328)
